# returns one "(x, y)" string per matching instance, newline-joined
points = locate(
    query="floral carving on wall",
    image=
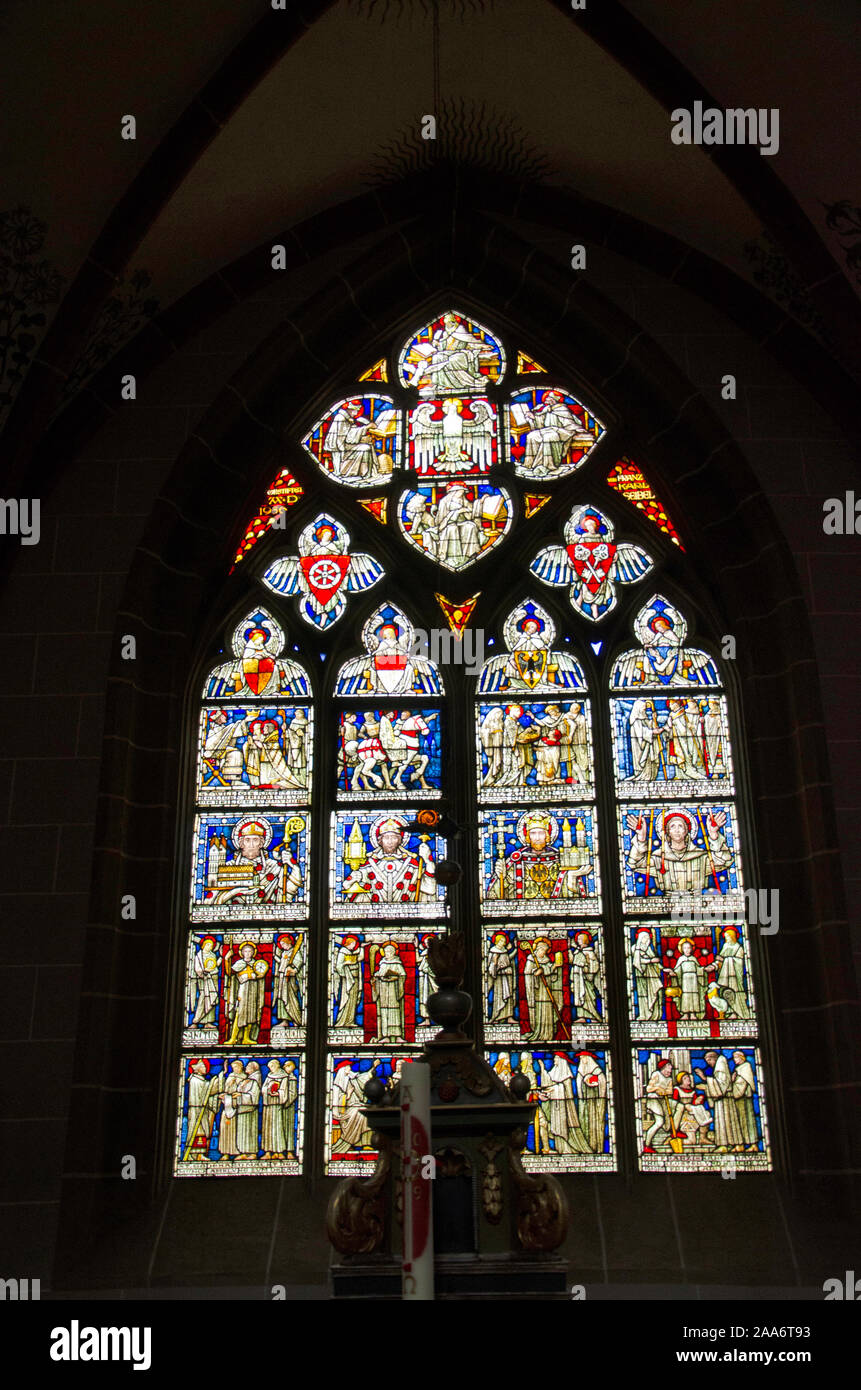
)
(121, 317)
(776, 275)
(844, 218)
(28, 283)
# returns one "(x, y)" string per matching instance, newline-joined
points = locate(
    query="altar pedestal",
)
(495, 1225)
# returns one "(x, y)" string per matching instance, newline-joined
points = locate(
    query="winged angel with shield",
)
(323, 572)
(591, 562)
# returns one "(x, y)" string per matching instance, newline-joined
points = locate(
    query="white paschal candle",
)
(417, 1267)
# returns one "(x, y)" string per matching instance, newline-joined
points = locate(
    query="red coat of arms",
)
(257, 671)
(324, 574)
(592, 561)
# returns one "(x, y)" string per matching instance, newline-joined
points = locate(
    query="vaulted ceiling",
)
(251, 120)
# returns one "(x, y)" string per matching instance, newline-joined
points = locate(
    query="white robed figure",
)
(542, 977)
(247, 1098)
(647, 978)
(280, 1090)
(743, 1091)
(647, 751)
(203, 989)
(458, 526)
(682, 727)
(228, 1145)
(347, 975)
(575, 745)
(718, 1087)
(592, 1095)
(349, 444)
(500, 972)
(348, 1101)
(285, 988)
(296, 746)
(556, 1097)
(389, 985)
(730, 980)
(450, 362)
(712, 725)
(692, 979)
(585, 968)
(553, 428)
(425, 976)
(677, 865)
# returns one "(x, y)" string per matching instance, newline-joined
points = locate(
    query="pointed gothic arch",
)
(176, 574)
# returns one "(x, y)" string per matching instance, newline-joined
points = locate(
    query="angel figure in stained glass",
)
(287, 974)
(323, 573)
(648, 977)
(390, 666)
(530, 664)
(203, 987)
(257, 668)
(591, 563)
(585, 979)
(730, 979)
(663, 659)
(426, 977)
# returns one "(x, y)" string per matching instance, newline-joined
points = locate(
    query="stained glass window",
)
(243, 1074)
(628, 479)
(699, 1103)
(377, 714)
(282, 494)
